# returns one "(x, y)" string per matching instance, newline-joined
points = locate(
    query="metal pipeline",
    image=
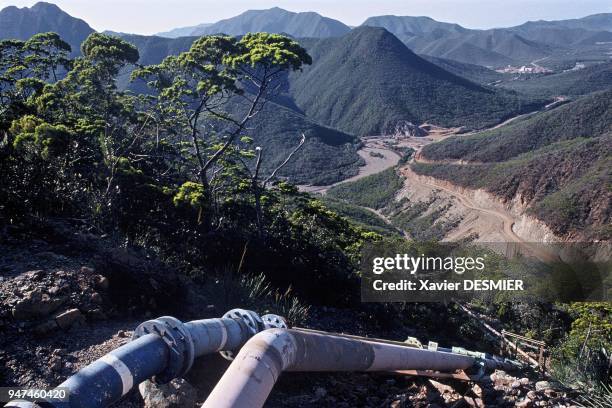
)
(161, 350)
(250, 378)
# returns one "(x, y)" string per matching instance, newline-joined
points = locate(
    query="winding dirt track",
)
(377, 158)
(505, 218)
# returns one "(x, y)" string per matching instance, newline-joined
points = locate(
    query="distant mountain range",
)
(23, 23)
(554, 44)
(496, 47)
(369, 79)
(183, 31)
(274, 20)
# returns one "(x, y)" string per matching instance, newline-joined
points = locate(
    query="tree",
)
(46, 54)
(12, 69)
(201, 86)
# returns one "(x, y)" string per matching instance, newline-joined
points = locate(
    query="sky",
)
(152, 16)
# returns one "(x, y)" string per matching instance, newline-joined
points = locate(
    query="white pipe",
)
(250, 378)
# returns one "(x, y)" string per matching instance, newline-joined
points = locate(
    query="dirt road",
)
(377, 158)
(505, 219)
(490, 224)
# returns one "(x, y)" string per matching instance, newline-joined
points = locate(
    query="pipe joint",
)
(253, 324)
(180, 346)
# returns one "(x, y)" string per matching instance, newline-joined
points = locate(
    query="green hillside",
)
(566, 184)
(589, 116)
(557, 163)
(368, 80)
(473, 72)
(327, 156)
(554, 44)
(375, 191)
(593, 78)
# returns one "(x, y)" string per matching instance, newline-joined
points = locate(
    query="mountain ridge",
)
(23, 23)
(275, 20)
(367, 81)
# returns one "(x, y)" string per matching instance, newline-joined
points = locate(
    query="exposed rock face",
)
(405, 129)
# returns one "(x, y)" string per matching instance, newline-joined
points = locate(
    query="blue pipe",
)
(117, 372)
(161, 349)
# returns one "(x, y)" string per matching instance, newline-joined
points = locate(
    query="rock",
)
(124, 257)
(36, 304)
(404, 128)
(542, 385)
(45, 327)
(550, 393)
(320, 392)
(525, 403)
(177, 393)
(532, 395)
(524, 381)
(515, 384)
(122, 334)
(70, 318)
(101, 282)
(55, 363)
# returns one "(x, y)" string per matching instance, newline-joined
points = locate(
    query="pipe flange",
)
(179, 342)
(250, 319)
(272, 321)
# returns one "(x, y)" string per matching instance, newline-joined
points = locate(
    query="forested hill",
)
(368, 80)
(574, 82)
(23, 23)
(543, 42)
(590, 116)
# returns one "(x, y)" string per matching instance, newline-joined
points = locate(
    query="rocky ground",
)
(68, 297)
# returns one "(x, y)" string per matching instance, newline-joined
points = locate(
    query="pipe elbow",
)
(279, 345)
(255, 370)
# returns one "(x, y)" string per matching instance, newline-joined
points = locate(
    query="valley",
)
(477, 214)
(376, 156)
